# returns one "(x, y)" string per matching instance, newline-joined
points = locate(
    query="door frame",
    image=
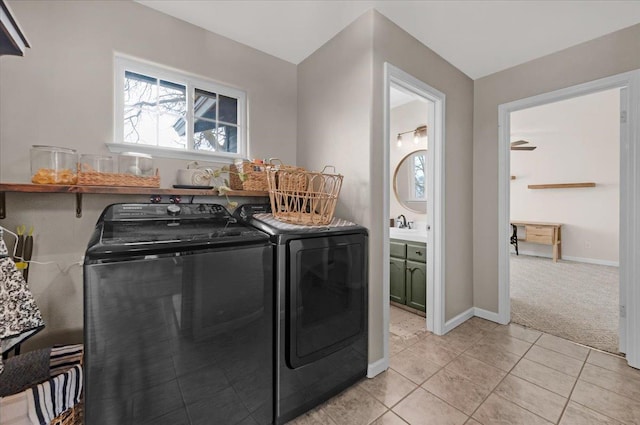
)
(435, 320)
(629, 199)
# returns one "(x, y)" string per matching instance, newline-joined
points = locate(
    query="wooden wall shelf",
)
(120, 190)
(561, 185)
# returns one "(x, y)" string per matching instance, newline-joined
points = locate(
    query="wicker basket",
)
(255, 176)
(73, 416)
(291, 178)
(302, 197)
(94, 178)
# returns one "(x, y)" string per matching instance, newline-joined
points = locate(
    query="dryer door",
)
(327, 296)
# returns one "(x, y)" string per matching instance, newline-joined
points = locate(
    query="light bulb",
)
(399, 141)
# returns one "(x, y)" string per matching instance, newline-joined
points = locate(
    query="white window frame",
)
(191, 82)
(412, 179)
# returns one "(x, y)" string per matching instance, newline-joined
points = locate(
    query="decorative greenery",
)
(224, 188)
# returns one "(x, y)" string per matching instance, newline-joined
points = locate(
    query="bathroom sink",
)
(416, 235)
(404, 230)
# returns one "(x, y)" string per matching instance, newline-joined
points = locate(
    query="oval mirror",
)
(409, 182)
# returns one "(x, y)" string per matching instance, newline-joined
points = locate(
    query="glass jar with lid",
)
(96, 163)
(53, 165)
(137, 164)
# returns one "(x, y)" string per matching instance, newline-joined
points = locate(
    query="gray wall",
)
(334, 114)
(334, 127)
(340, 113)
(61, 93)
(394, 45)
(605, 56)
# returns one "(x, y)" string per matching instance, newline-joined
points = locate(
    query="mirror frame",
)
(395, 179)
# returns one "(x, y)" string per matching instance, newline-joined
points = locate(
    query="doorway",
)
(629, 246)
(433, 182)
(564, 209)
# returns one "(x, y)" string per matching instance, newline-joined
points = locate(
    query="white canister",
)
(194, 176)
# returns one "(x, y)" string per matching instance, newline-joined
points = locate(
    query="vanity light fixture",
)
(418, 134)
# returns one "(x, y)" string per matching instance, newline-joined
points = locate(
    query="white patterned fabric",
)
(274, 222)
(3, 247)
(19, 314)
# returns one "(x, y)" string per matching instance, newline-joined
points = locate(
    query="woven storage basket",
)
(73, 416)
(310, 203)
(94, 178)
(255, 176)
(291, 178)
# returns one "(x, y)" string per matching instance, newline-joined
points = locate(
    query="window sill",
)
(157, 152)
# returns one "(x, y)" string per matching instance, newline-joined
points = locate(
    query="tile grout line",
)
(390, 409)
(469, 417)
(555, 370)
(504, 377)
(584, 363)
(420, 385)
(484, 337)
(574, 386)
(602, 388)
(485, 333)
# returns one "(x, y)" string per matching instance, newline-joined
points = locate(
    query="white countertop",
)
(414, 235)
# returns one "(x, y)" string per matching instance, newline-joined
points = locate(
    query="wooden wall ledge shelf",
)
(561, 185)
(117, 190)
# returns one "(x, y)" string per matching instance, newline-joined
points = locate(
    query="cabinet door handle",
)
(419, 252)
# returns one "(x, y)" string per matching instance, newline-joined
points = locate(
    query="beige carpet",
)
(576, 301)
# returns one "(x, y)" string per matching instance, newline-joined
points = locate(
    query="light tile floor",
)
(484, 373)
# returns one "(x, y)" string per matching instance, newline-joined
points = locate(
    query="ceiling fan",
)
(517, 146)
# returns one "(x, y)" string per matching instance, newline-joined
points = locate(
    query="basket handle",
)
(328, 166)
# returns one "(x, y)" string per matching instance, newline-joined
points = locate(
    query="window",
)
(417, 188)
(173, 114)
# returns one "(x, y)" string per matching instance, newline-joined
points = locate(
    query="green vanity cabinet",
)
(408, 271)
(416, 285)
(398, 270)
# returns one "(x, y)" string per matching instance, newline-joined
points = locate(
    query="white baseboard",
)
(377, 367)
(571, 258)
(458, 320)
(592, 261)
(485, 314)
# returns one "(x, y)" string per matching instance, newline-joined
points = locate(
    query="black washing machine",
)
(321, 303)
(178, 318)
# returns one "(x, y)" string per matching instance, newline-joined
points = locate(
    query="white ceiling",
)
(478, 37)
(399, 97)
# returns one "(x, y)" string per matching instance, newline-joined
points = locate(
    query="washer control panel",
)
(125, 212)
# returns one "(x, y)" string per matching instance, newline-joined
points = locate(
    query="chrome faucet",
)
(403, 223)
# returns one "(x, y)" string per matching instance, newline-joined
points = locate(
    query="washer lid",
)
(135, 229)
